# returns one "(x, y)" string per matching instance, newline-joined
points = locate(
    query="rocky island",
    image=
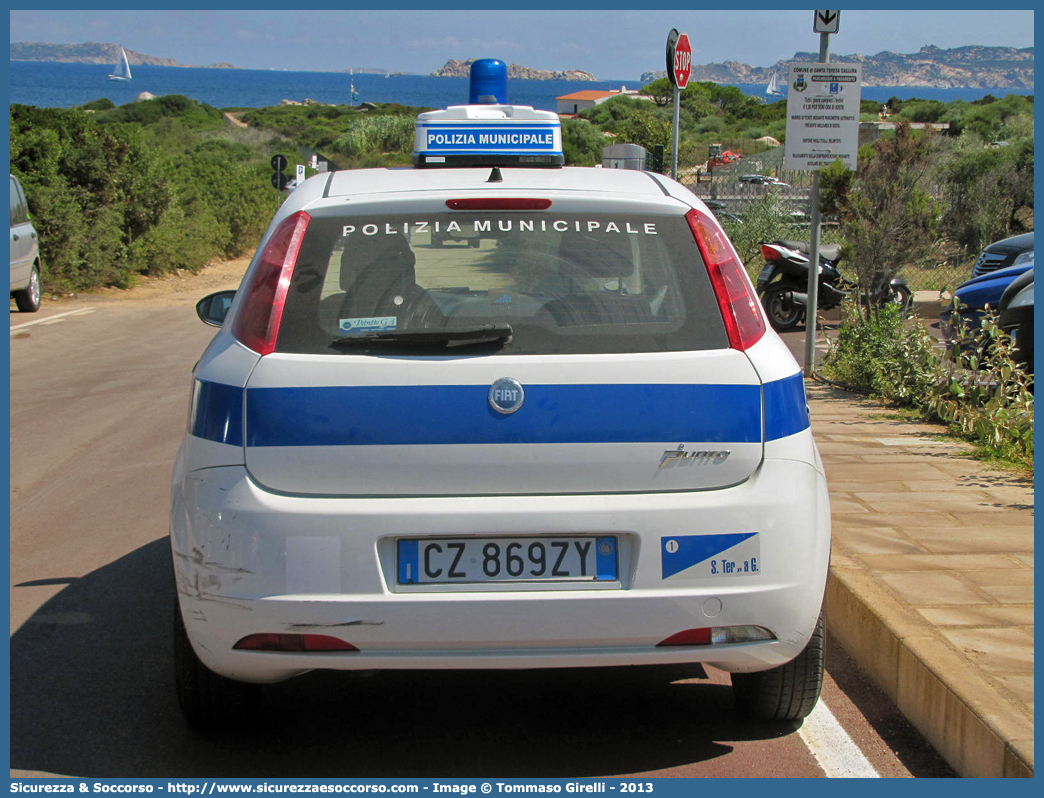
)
(461, 69)
(91, 53)
(973, 67)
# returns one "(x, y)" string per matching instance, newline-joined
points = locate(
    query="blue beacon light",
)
(488, 82)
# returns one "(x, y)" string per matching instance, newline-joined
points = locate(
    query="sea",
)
(53, 85)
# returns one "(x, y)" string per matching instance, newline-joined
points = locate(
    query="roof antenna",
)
(495, 176)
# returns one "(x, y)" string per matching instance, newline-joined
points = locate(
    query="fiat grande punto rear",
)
(497, 416)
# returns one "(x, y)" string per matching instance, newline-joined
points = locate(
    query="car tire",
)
(783, 314)
(207, 700)
(28, 299)
(786, 692)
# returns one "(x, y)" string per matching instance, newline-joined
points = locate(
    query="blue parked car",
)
(978, 293)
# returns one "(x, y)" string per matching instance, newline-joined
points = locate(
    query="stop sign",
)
(681, 65)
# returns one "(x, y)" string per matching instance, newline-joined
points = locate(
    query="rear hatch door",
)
(379, 426)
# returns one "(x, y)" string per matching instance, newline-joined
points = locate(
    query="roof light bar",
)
(488, 132)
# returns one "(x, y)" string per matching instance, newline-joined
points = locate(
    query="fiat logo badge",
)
(506, 395)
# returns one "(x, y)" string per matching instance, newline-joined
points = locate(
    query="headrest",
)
(588, 256)
(390, 255)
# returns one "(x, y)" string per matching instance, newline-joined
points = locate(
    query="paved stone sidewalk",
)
(931, 586)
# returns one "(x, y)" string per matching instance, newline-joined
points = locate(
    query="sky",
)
(609, 43)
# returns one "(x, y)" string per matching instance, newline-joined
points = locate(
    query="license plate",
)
(766, 273)
(470, 560)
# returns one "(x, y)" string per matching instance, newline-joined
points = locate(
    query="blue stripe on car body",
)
(219, 413)
(460, 414)
(786, 409)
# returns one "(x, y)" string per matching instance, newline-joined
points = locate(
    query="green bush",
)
(582, 143)
(93, 189)
(103, 104)
(373, 135)
(884, 356)
(113, 200)
(985, 396)
(712, 124)
(192, 113)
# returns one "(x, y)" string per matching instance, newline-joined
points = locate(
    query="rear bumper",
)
(247, 561)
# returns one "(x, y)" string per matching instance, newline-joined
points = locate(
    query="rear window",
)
(565, 283)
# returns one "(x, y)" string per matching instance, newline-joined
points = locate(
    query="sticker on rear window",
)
(369, 324)
(702, 556)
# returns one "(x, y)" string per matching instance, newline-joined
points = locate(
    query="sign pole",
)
(674, 134)
(811, 314)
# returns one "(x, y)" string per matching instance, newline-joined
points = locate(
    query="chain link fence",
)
(734, 193)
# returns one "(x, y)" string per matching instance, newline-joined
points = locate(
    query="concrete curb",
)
(963, 716)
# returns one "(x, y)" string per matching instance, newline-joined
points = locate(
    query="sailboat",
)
(122, 69)
(773, 89)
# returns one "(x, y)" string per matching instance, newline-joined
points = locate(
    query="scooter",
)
(783, 283)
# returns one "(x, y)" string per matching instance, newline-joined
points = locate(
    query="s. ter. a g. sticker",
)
(702, 556)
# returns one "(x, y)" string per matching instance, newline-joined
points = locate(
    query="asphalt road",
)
(98, 401)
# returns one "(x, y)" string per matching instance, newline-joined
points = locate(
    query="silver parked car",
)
(25, 253)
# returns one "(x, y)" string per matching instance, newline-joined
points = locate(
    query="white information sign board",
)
(823, 115)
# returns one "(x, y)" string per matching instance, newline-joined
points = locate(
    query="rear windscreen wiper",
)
(439, 337)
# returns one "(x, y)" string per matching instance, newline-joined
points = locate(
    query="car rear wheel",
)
(207, 700)
(784, 314)
(786, 692)
(28, 299)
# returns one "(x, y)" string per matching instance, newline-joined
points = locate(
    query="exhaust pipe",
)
(801, 300)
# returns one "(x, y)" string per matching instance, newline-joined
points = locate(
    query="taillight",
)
(281, 641)
(256, 325)
(737, 301)
(499, 204)
(770, 253)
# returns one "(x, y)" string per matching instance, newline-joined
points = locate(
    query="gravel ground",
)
(180, 288)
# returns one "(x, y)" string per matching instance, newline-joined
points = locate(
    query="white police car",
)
(490, 412)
